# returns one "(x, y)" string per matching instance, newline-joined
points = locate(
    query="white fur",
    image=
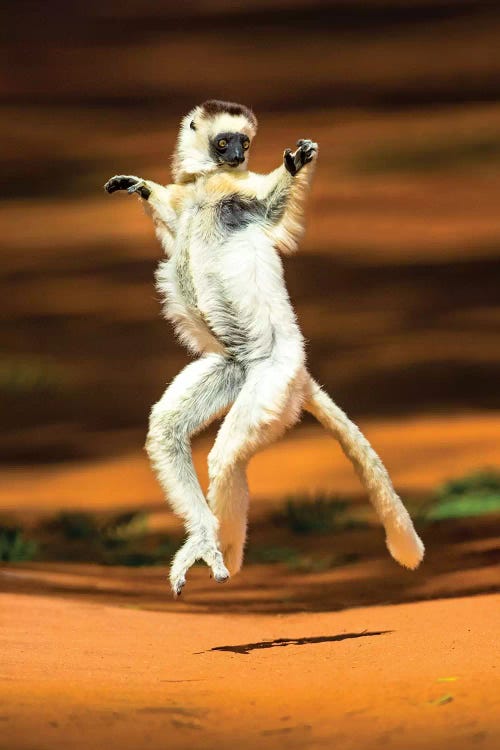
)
(401, 538)
(224, 292)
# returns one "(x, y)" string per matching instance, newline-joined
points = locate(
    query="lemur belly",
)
(226, 292)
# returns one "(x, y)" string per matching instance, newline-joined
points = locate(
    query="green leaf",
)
(443, 700)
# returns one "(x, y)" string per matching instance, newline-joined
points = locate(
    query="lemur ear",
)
(192, 125)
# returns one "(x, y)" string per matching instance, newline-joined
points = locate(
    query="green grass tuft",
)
(74, 526)
(14, 547)
(25, 375)
(485, 481)
(131, 525)
(300, 562)
(262, 554)
(472, 495)
(120, 540)
(318, 515)
(137, 555)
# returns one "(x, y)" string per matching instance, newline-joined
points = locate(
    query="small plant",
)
(31, 375)
(486, 481)
(472, 495)
(272, 555)
(300, 562)
(137, 555)
(315, 516)
(14, 547)
(120, 540)
(76, 526)
(129, 525)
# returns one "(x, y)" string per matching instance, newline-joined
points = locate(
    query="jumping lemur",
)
(223, 229)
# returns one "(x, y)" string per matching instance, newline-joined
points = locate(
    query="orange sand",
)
(81, 674)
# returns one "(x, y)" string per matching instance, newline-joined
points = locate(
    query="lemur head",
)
(215, 135)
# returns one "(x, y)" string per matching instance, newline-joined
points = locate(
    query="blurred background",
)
(395, 285)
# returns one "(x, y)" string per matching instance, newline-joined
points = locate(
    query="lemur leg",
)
(229, 499)
(202, 391)
(270, 401)
(402, 540)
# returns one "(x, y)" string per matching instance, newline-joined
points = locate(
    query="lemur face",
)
(229, 148)
(215, 135)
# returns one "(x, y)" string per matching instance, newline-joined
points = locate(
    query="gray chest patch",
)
(235, 212)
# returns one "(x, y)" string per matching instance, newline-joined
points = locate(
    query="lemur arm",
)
(282, 193)
(160, 202)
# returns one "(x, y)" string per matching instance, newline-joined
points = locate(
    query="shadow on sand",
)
(245, 648)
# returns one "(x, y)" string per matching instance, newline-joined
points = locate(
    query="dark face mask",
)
(229, 148)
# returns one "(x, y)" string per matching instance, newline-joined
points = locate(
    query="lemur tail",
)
(402, 541)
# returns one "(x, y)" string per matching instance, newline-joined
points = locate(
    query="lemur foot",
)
(306, 152)
(130, 183)
(196, 547)
(233, 557)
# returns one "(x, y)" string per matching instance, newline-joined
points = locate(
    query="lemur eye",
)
(222, 143)
(246, 145)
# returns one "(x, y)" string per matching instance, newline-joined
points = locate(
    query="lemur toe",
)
(140, 188)
(177, 587)
(308, 151)
(111, 186)
(305, 153)
(216, 563)
(289, 161)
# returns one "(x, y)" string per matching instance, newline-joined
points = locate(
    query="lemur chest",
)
(222, 277)
(222, 204)
(218, 235)
(222, 235)
(234, 213)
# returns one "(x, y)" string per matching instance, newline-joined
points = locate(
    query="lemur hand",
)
(306, 152)
(130, 183)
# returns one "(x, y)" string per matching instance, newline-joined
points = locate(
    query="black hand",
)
(305, 153)
(120, 182)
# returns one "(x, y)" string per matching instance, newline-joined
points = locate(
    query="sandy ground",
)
(80, 674)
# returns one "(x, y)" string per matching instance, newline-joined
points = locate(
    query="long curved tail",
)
(401, 538)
